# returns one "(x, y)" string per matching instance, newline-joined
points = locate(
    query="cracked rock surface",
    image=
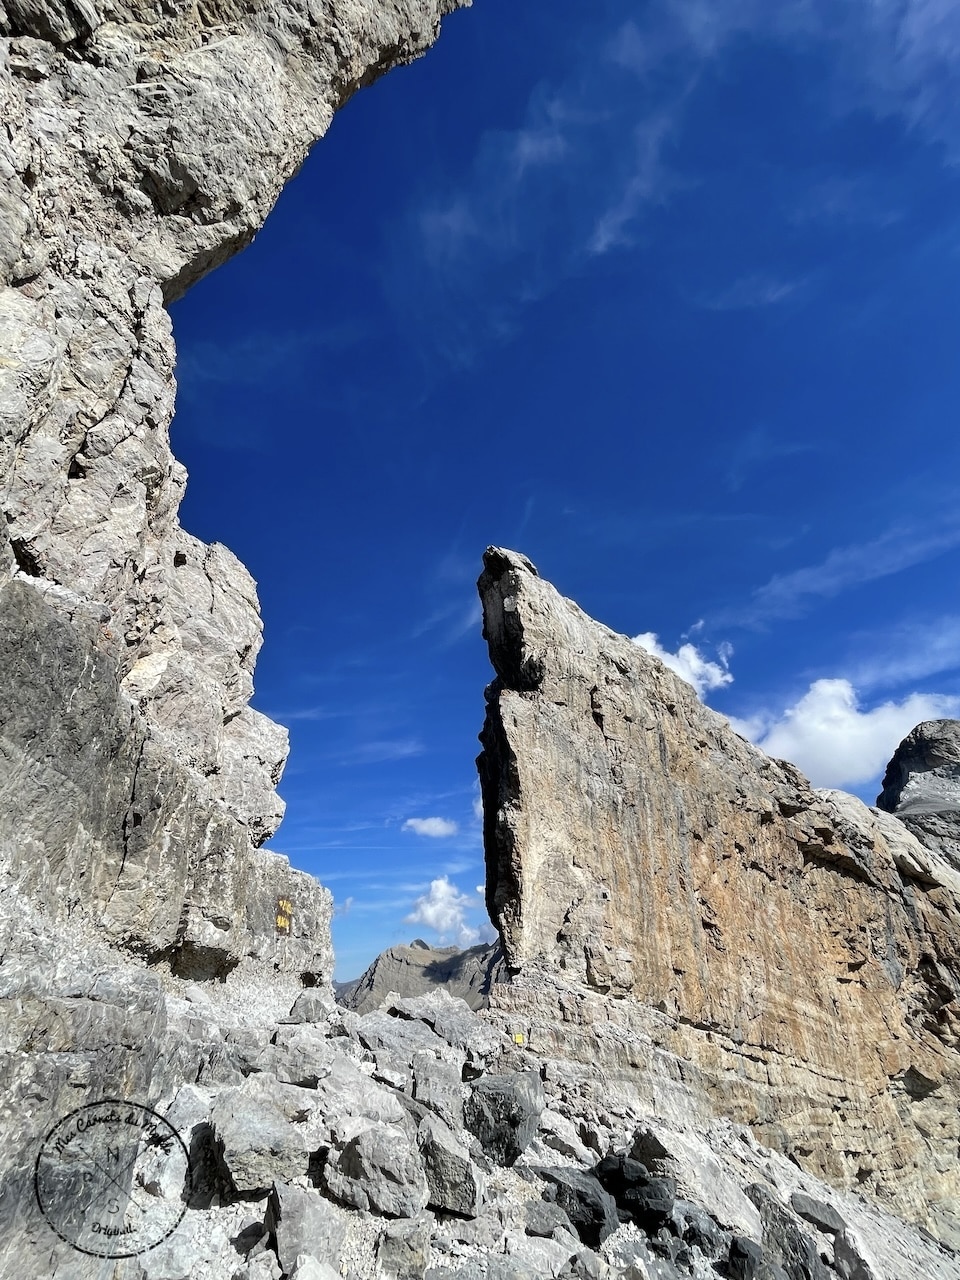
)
(592, 1124)
(141, 145)
(351, 1173)
(667, 894)
(922, 786)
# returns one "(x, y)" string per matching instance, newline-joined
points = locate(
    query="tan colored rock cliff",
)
(794, 953)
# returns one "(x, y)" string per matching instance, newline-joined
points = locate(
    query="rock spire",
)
(799, 949)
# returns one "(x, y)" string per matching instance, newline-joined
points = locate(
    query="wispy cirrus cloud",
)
(905, 652)
(892, 57)
(751, 293)
(537, 203)
(648, 182)
(381, 751)
(598, 150)
(256, 358)
(788, 595)
(756, 448)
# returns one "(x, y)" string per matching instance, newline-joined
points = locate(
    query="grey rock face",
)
(141, 146)
(666, 893)
(302, 1222)
(787, 1244)
(503, 1113)
(591, 1209)
(922, 786)
(404, 1248)
(455, 1184)
(257, 1144)
(97, 819)
(417, 969)
(379, 1169)
(375, 1228)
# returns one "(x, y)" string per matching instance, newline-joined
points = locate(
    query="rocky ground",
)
(417, 1140)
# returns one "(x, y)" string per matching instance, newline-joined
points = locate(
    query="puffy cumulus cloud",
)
(444, 909)
(689, 663)
(437, 828)
(833, 741)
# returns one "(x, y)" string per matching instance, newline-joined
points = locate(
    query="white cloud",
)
(689, 663)
(833, 741)
(437, 828)
(443, 908)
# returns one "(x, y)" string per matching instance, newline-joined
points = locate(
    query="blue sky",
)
(665, 296)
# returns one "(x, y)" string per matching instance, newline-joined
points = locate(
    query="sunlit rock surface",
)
(151, 950)
(673, 901)
(141, 145)
(416, 969)
(922, 786)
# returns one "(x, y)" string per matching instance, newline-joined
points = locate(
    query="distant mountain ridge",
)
(416, 968)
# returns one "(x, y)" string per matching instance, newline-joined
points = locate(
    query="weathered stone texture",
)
(922, 786)
(799, 950)
(416, 969)
(142, 145)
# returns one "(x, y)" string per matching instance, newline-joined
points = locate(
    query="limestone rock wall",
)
(141, 144)
(653, 874)
(922, 786)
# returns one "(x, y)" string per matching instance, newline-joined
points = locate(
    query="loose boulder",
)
(503, 1111)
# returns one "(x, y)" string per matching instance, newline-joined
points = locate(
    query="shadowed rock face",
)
(922, 786)
(648, 867)
(417, 969)
(142, 145)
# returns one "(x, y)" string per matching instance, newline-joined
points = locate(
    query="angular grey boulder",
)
(256, 1143)
(437, 1086)
(456, 1185)
(921, 786)
(380, 1170)
(303, 1222)
(822, 1215)
(403, 1249)
(502, 1112)
(591, 1209)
